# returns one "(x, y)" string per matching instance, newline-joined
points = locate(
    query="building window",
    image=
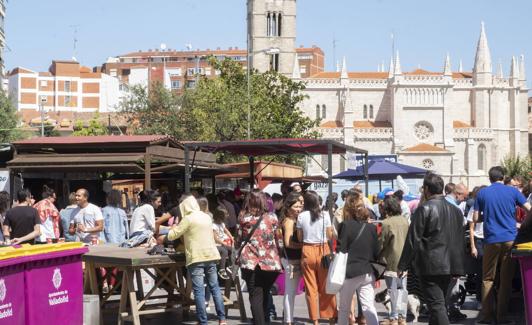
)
(112, 72)
(67, 86)
(365, 112)
(481, 154)
(191, 83)
(208, 71)
(323, 111)
(68, 101)
(44, 83)
(303, 69)
(126, 72)
(176, 84)
(274, 62)
(278, 29)
(273, 24)
(191, 71)
(423, 131)
(370, 111)
(317, 112)
(428, 164)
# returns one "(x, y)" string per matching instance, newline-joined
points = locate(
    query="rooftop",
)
(424, 147)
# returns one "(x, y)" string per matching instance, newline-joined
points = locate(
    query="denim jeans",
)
(398, 296)
(198, 273)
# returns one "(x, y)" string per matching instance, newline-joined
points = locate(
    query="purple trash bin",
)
(12, 304)
(54, 288)
(525, 261)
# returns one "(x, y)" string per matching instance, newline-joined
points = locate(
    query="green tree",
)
(8, 120)
(94, 127)
(219, 106)
(49, 130)
(156, 111)
(518, 166)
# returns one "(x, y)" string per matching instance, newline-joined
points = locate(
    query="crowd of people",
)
(427, 246)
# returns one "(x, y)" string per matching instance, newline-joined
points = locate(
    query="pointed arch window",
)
(268, 24)
(481, 156)
(365, 112)
(323, 111)
(317, 112)
(279, 21)
(370, 111)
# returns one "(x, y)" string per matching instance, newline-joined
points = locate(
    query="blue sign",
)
(355, 160)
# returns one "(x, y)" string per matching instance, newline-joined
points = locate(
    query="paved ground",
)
(469, 309)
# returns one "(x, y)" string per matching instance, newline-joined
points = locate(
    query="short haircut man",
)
(434, 247)
(497, 206)
(449, 188)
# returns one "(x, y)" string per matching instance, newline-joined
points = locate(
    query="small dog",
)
(413, 303)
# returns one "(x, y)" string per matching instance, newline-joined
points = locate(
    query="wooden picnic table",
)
(168, 272)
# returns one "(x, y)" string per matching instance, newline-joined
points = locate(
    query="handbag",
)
(337, 271)
(327, 259)
(235, 259)
(378, 267)
(336, 274)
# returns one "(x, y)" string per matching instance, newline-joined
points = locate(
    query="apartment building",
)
(67, 86)
(180, 69)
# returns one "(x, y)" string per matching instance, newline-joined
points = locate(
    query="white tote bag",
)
(336, 274)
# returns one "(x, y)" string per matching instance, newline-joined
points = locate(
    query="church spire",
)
(522, 74)
(390, 72)
(296, 72)
(397, 65)
(343, 74)
(500, 72)
(447, 68)
(514, 72)
(483, 56)
(482, 68)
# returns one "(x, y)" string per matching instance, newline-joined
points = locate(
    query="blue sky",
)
(39, 31)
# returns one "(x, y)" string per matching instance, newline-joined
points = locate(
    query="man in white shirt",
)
(87, 218)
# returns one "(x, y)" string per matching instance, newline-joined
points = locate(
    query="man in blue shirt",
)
(497, 204)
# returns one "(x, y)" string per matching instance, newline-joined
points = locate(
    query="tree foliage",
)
(156, 111)
(8, 120)
(220, 106)
(518, 166)
(93, 128)
(217, 108)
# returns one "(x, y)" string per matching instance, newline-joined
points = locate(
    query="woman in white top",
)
(314, 229)
(143, 217)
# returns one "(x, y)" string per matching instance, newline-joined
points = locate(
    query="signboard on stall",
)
(354, 160)
(4, 180)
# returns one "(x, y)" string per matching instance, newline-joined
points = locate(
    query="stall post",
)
(366, 176)
(147, 171)
(329, 175)
(251, 173)
(187, 169)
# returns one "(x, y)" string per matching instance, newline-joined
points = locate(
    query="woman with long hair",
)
(292, 252)
(314, 229)
(358, 239)
(259, 258)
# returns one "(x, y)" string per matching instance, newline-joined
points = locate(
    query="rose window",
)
(423, 131)
(428, 164)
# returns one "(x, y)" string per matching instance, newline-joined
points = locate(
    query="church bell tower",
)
(271, 29)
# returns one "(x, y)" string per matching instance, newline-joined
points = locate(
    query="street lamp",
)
(43, 99)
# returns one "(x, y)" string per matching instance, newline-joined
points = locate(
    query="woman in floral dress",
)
(259, 261)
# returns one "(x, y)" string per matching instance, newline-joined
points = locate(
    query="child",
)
(223, 238)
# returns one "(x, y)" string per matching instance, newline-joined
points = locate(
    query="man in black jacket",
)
(434, 247)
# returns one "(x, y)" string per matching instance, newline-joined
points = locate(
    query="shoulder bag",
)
(237, 253)
(378, 267)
